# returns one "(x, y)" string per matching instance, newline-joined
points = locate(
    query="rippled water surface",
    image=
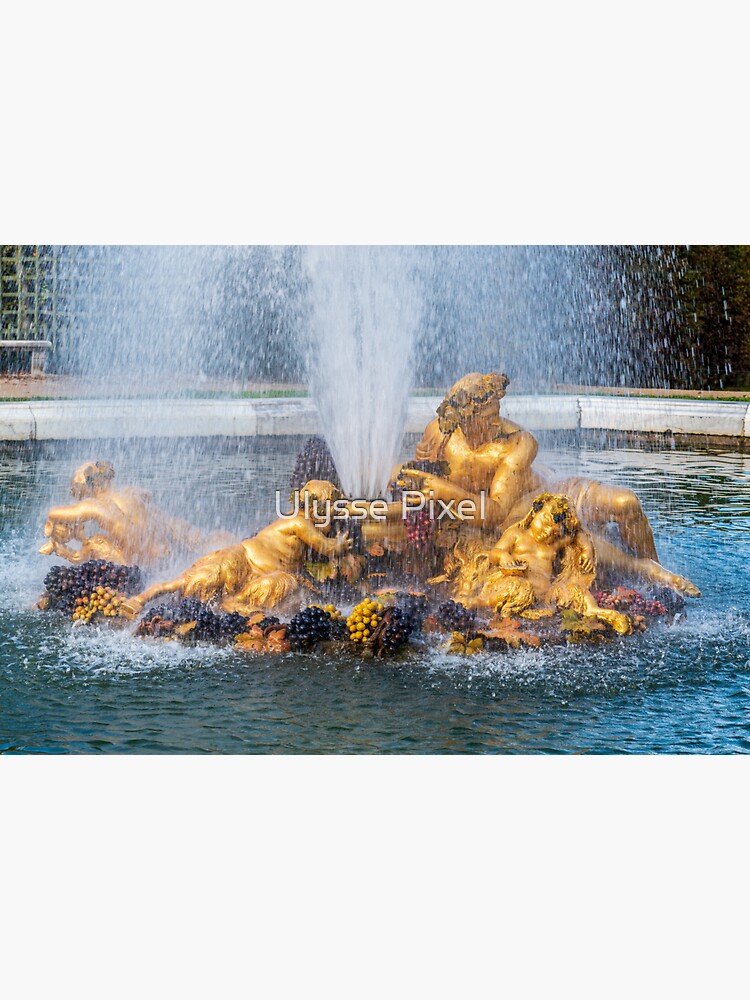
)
(683, 689)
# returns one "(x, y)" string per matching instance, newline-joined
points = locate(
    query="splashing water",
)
(365, 311)
(596, 315)
(158, 318)
(364, 325)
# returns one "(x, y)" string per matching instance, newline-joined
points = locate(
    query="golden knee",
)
(627, 504)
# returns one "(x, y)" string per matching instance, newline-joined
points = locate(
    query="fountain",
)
(365, 305)
(416, 552)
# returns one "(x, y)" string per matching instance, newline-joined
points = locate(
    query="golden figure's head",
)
(90, 478)
(550, 517)
(316, 498)
(320, 490)
(472, 396)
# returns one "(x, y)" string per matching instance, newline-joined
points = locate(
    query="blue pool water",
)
(679, 689)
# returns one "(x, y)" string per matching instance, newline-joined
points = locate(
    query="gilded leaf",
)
(508, 630)
(321, 571)
(460, 645)
(582, 629)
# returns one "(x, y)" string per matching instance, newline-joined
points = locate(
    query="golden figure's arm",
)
(429, 446)
(316, 540)
(395, 512)
(58, 548)
(587, 553)
(59, 533)
(501, 554)
(64, 531)
(507, 427)
(79, 513)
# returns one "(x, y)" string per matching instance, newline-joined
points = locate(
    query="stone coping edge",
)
(60, 420)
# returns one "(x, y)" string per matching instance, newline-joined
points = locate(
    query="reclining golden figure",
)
(545, 559)
(133, 530)
(489, 454)
(259, 572)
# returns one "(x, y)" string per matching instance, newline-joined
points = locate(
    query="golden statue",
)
(131, 528)
(490, 455)
(259, 572)
(545, 559)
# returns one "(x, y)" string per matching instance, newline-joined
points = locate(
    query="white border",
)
(391, 124)
(373, 877)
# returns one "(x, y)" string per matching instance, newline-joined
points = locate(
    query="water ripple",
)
(680, 689)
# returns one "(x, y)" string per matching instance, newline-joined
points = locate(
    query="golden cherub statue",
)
(259, 572)
(486, 453)
(546, 560)
(132, 529)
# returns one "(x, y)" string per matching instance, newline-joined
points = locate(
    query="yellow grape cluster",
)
(364, 619)
(332, 610)
(101, 600)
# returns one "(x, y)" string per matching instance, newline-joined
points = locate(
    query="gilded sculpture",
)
(487, 453)
(129, 527)
(518, 543)
(543, 562)
(261, 571)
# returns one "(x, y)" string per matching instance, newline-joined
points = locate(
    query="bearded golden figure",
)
(545, 560)
(260, 571)
(131, 528)
(488, 454)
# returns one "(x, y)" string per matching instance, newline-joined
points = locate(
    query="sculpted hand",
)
(58, 534)
(514, 566)
(351, 567)
(131, 607)
(506, 562)
(342, 544)
(426, 480)
(587, 563)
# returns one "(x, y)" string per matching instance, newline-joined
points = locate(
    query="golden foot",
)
(619, 622)
(131, 607)
(679, 583)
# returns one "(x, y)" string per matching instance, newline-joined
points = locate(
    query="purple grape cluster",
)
(632, 603)
(314, 462)
(397, 631)
(416, 605)
(453, 616)
(65, 584)
(210, 626)
(420, 528)
(310, 625)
